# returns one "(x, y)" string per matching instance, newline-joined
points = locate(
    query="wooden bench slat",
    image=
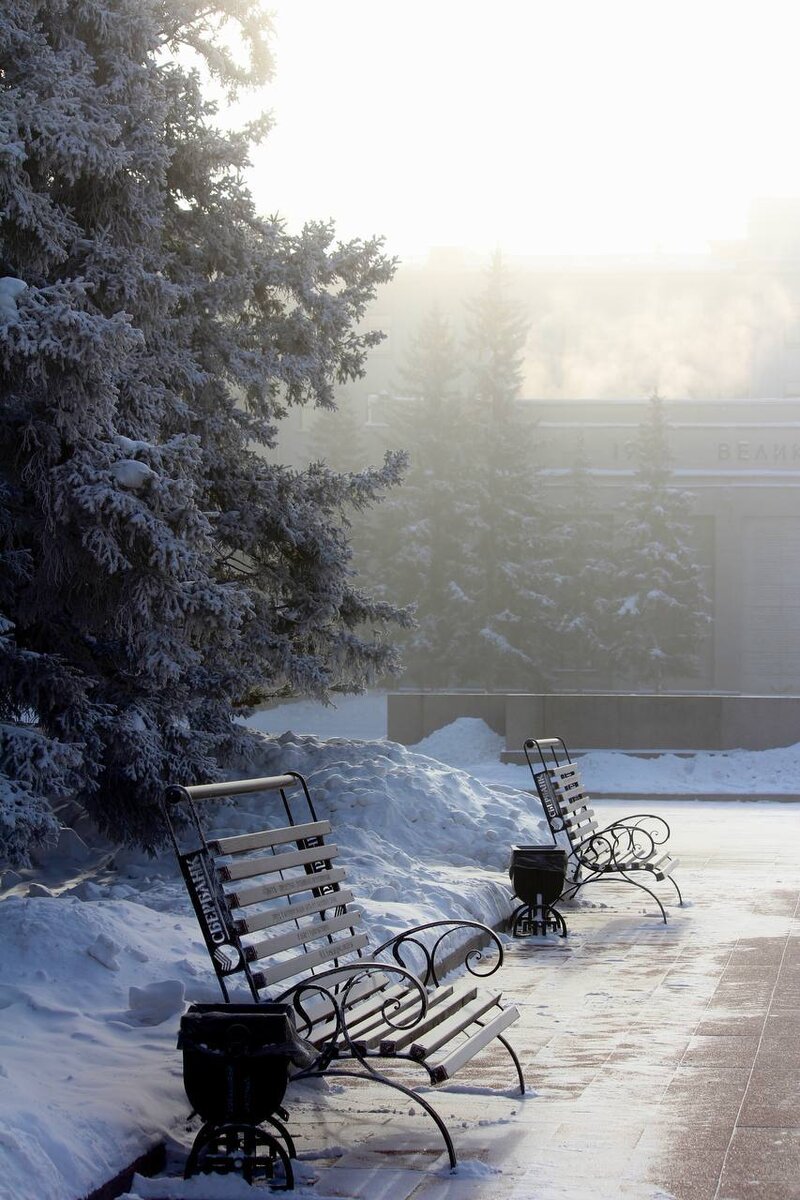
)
(300, 964)
(578, 805)
(309, 931)
(583, 831)
(440, 1013)
(563, 771)
(271, 864)
(468, 1049)
(660, 867)
(372, 1032)
(460, 1020)
(268, 837)
(364, 1012)
(284, 913)
(281, 888)
(318, 1007)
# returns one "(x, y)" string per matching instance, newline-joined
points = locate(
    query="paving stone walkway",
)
(663, 1061)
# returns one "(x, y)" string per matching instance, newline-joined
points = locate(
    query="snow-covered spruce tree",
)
(508, 564)
(661, 610)
(417, 541)
(583, 583)
(155, 570)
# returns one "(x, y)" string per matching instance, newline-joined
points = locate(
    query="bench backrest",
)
(564, 798)
(271, 904)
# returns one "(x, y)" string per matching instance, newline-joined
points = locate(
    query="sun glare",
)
(544, 128)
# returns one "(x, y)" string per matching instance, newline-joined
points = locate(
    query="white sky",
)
(539, 126)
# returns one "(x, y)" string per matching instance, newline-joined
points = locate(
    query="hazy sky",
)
(540, 126)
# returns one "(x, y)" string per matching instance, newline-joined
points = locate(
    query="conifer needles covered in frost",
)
(155, 569)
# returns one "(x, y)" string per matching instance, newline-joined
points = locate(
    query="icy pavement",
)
(663, 1061)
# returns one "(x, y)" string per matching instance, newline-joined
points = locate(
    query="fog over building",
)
(718, 337)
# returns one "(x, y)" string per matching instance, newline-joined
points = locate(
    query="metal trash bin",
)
(537, 877)
(235, 1071)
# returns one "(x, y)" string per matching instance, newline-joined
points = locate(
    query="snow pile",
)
(89, 1080)
(472, 745)
(464, 743)
(742, 772)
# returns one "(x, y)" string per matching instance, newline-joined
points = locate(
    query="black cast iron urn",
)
(235, 1071)
(537, 877)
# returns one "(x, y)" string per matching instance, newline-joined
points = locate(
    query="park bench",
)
(278, 920)
(627, 849)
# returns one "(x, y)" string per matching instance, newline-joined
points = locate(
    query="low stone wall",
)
(605, 721)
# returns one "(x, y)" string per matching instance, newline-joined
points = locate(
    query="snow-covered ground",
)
(99, 951)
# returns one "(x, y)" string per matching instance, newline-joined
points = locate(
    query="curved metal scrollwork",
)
(617, 846)
(656, 827)
(335, 987)
(429, 953)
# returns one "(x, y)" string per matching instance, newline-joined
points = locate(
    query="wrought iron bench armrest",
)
(617, 845)
(660, 831)
(430, 975)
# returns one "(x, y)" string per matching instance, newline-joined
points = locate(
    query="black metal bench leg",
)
(409, 1092)
(515, 1061)
(284, 1132)
(677, 889)
(635, 883)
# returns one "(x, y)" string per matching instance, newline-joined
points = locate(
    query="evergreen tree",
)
(154, 568)
(584, 575)
(661, 611)
(508, 565)
(418, 540)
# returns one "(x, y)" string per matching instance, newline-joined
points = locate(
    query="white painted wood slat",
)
(439, 1035)
(271, 864)
(468, 1049)
(440, 1014)
(279, 888)
(269, 837)
(309, 931)
(299, 964)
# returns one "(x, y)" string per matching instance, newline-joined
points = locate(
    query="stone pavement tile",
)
(572, 1050)
(622, 1088)
(667, 954)
(759, 950)
(773, 1097)
(762, 1164)
(683, 1160)
(368, 1183)
(745, 993)
(561, 1083)
(780, 1049)
(789, 975)
(735, 1051)
(720, 1021)
(783, 1022)
(792, 955)
(709, 1096)
(773, 904)
(662, 1044)
(616, 1136)
(749, 972)
(485, 1187)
